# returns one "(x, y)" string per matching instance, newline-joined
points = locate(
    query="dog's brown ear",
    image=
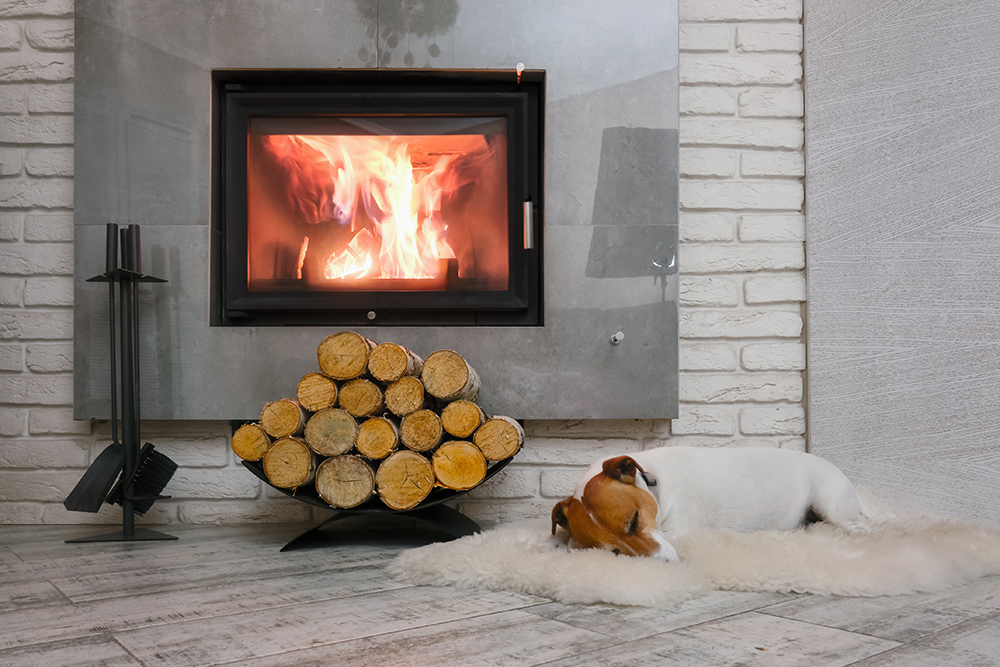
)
(559, 515)
(622, 468)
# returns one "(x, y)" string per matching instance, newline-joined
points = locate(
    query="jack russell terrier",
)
(638, 504)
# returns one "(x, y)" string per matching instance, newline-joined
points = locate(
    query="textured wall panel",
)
(903, 201)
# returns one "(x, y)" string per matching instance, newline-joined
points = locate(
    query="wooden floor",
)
(225, 595)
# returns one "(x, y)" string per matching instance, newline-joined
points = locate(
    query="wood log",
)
(331, 432)
(404, 480)
(344, 355)
(289, 463)
(404, 396)
(250, 442)
(345, 481)
(421, 430)
(459, 465)
(388, 362)
(499, 438)
(461, 418)
(283, 418)
(316, 392)
(377, 438)
(361, 398)
(448, 376)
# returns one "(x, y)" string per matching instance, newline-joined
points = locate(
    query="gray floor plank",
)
(24, 594)
(49, 542)
(974, 643)
(38, 625)
(261, 633)
(158, 574)
(506, 639)
(90, 652)
(631, 623)
(747, 639)
(227, 595)
(901, 618)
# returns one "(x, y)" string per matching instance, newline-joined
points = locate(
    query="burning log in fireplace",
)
(379, 421)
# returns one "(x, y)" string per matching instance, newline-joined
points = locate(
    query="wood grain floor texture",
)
(227, 596)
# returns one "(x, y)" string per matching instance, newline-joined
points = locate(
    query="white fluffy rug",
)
(915, 553)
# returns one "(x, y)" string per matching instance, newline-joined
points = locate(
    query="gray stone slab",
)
(143, 112)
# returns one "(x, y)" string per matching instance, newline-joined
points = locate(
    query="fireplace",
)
(353, 199)
(582, 237)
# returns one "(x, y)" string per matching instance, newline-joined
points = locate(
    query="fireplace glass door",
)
(411, 203)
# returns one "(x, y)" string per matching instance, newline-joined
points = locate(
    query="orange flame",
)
(336, 177)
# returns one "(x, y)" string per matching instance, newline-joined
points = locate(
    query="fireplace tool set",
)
(124, 473)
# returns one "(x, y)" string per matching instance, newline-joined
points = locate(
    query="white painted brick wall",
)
(741, 287)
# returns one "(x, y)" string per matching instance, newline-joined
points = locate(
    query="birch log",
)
(404, 480)
(404, 396)
(361, 397)
(331, 432)
(344, 481)
(388, 362)
(448, 376)
(421, 430)
(459, 465)
(283, 418)
(289, 463)
(316, 392)
(377, 438)
(461, 418)
(499, 438)
(250, 442)
(344, 355)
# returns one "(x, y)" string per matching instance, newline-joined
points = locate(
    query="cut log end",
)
(331, 432)
(316, 392)
(250, 442)
(344, 355)
(404, 396)
(289, 463)
(404, 480)
(344, 481)
(377, 438)
(461, 418)
(361, 398)
(448, 376)
(459, 465)
(421, 430)
(388, 362)
(499, 438)
(283, 418)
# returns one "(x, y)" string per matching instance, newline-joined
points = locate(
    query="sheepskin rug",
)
(907, 553)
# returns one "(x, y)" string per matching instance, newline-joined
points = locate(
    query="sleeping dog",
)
(638, 504)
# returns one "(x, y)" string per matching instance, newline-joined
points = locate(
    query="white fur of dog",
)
(739, 489)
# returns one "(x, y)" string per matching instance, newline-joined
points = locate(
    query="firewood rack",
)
(430, 512)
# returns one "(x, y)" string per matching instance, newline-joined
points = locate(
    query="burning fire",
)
(371, 184)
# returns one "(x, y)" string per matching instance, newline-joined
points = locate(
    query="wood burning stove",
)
(387, 198)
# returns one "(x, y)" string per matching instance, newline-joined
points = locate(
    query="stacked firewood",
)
(379, 419)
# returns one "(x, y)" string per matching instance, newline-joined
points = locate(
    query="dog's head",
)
(615, 514)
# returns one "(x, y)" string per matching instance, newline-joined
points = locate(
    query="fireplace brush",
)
(141, 473)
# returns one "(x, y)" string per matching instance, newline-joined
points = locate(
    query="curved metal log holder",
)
(141, 472)
(432, 512)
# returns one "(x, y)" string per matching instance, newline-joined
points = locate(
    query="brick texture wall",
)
(742, 283)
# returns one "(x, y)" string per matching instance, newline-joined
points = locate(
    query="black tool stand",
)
(127, 280)
(431, 512)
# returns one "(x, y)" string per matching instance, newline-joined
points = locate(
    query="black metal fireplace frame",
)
(242, 94)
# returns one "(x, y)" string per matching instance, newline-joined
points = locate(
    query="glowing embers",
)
(353, 209)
